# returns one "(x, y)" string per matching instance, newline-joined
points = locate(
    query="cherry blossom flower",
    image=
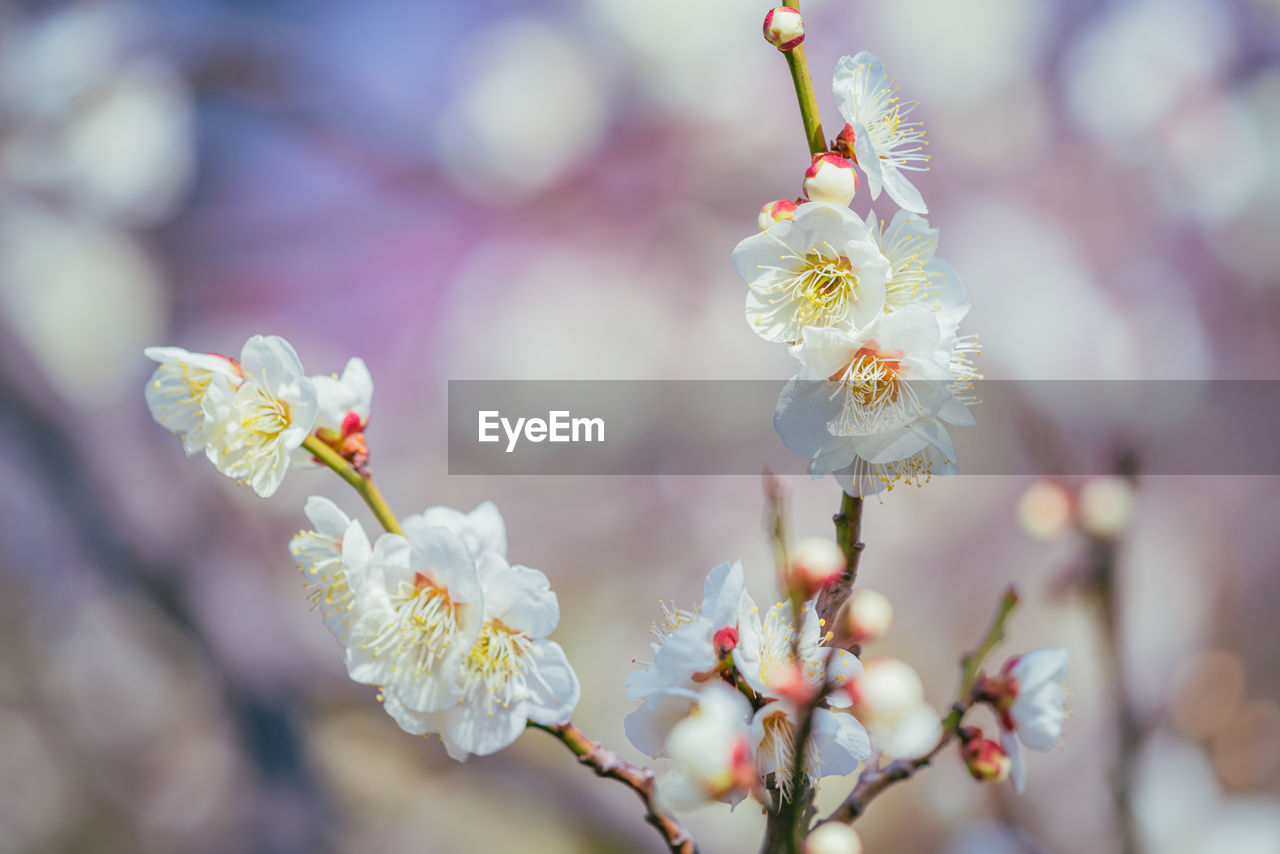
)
(821, 268)
(260, 424)
(511, 675)
(917, 275)
(1030, 696)
(333, 557)
(415, 618)
(177, 391)
(711, 751)
(884, 143)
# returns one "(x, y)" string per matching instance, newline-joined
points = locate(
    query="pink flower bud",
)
(865, 617)
(783, 28)
(814, 565)
(833, 838)
(830, 178)
(790, 682)
(1045, 510)
(725, 640)
(986, 759)
(844, 142)
(776, 212)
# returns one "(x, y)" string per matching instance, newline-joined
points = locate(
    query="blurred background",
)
(533, 189)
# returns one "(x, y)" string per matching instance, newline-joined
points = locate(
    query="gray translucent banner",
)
(713, 427)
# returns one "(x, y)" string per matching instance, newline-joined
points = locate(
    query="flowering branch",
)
(606, 763)
(799, 68)
(875, 779)
(362, 483)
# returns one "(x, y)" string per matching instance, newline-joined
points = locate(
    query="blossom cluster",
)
(454, 637)
(868, 310)
(250, 416)
(723, 696)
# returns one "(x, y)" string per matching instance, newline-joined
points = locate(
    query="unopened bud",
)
(844, 142)
(885, 692)
(777, 211)
(833, 838)
(783, 28)
(790, 682)
(1106, 504)
(830, 178)
(986, 760)
(865, 617)
(814, 565)
(1045, 510)
(725, 640)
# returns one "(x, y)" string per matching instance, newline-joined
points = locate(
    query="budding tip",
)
(784, 28)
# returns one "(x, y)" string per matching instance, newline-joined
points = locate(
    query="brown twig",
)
(875, 779)
(848, 524)
(606, 763)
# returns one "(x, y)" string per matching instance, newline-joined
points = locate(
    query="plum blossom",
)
(415, 617)
(481, 530)
(343, 402)
(837, 743)
(511, 675)
(257, 427)
(884, 143)
(688, 648)
(178, 388)
(1029, 696)
(711, 750)
(333, 557)
(917, 275)
(821, 268)
(764, 655)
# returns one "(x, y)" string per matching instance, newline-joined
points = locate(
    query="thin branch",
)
(606, 763)
(362, 483)
(799, 68)
(875, 779)
(848, 524)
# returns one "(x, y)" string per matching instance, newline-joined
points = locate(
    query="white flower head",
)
(333, 557)
(917, 275)
(764, 654)
(686, 652)
(821, 268)
(482, 530)
(343, 403)
(1032, 709)
(266, 418)
(711, 750)
(885, 142)
(415, 617)
(836, 744)
(178, 388)
(511, 675)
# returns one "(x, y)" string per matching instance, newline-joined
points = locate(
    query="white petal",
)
(553, 684)
(840, 741)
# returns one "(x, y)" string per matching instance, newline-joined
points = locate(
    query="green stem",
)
(799, 67)
(361, 483)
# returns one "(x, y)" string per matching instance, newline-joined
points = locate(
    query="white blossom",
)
(343, 403)
(415, 617)
(821, 268)
(260, 425)
(511, 675)
(1031, 712)
(333, 557)
(885, 143)
(482, 530)
(687, 650)
(764, 654)
(837, 743)
(711, 750)
(177, 391)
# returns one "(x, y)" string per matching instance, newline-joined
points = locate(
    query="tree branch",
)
(606, 763)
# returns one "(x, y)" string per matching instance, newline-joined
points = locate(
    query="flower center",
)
(496, 662)
(777, 752)
(424, 628)
(320, 559)
(824, 287)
